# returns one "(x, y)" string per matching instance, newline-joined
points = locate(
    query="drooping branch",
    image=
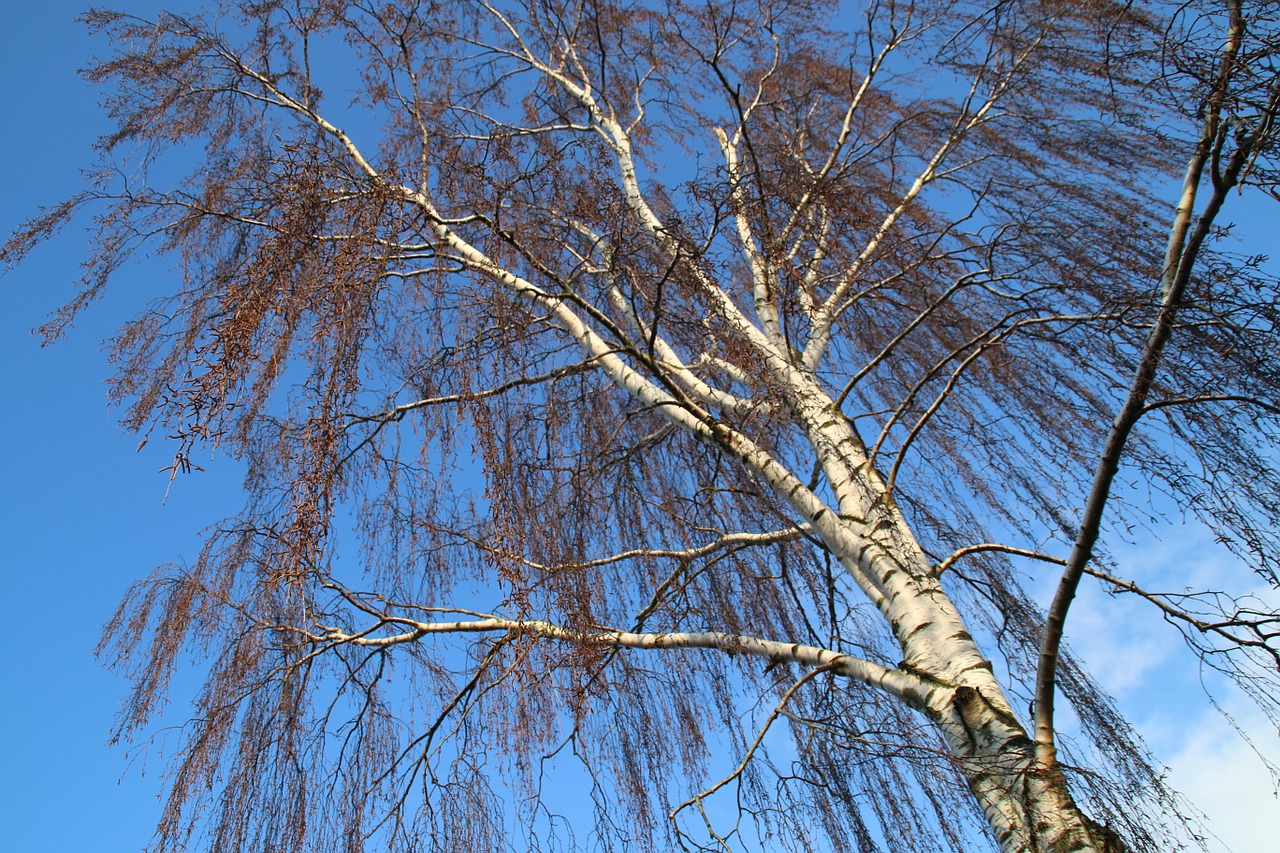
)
(1200, 399)
(778, 711)
(397, 413)
(1254, 629)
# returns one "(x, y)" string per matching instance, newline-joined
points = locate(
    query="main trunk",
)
(1028, 806)
(1027, 803)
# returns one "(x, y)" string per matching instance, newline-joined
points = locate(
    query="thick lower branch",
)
(904, 685)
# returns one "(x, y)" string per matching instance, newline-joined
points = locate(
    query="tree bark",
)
(1025, 799)
(1027, 803)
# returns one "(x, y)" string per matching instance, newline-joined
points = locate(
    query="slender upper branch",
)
(1180, 260)
(996, 547)
(826, 314)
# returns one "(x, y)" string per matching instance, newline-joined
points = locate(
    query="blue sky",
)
(83, 515)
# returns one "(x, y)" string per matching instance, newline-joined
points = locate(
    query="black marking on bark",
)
(981, 664)
(1022, 743)
(963, 700)
(1110, 841)
(917, 629)
(924, 675)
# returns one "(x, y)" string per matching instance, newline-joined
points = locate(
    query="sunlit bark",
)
(663, 373)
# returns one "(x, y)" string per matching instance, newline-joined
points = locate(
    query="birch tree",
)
(663, 406)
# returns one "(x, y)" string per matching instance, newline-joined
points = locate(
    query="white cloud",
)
(1160, 686)
(1226, 780)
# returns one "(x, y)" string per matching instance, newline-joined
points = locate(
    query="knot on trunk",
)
(969, 705)
(1105, 838)
(988, 726)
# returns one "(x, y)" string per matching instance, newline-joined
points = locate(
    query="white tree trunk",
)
(1027, 804)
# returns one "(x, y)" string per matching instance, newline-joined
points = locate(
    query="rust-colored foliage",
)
(617, 341)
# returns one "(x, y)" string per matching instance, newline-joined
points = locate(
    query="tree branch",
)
(992, 546)
(1180, 260)
(900, 683)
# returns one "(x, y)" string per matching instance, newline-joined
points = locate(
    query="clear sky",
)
(80, 512)
(82, 515)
